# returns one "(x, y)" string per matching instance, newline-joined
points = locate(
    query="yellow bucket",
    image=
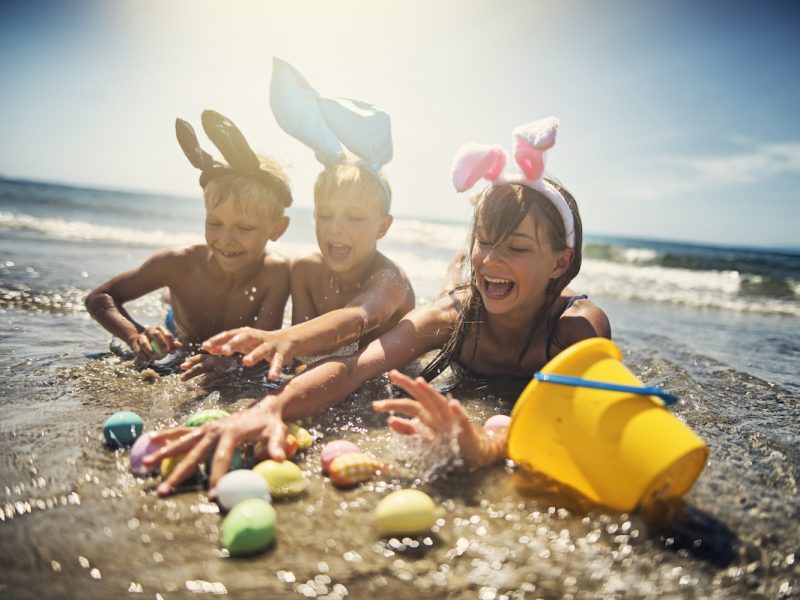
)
(617, 448)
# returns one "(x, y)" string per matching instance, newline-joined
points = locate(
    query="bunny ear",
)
(473, 161)
(531, 141)
(191, 147)
(230, 141)
(294, 104)
(363, 128)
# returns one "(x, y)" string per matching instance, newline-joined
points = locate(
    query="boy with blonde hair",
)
(348, 293)
(229, 281)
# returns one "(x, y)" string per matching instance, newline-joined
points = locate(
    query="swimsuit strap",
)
(552, 335)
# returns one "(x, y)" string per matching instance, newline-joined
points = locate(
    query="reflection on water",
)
(74, 522)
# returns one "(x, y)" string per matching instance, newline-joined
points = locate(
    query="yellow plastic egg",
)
(351, 469)
(405, 512)
(304, 439)
(168, 464)
(284, 478)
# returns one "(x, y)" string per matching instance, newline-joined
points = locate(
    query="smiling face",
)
(237, 234)
(348, 229)
(513, 274)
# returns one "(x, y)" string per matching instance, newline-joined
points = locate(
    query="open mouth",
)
(497, 288)
(338, 251)
(228, 254)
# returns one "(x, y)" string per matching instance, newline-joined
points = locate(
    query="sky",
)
(679, 119)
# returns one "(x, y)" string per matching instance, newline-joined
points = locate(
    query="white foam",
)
(703, 289)
(89, 232)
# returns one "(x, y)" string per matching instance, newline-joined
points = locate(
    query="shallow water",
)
(75, 523)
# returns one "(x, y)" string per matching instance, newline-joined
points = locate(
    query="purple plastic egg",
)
(334, 449)
(141, 448)
(497, 422)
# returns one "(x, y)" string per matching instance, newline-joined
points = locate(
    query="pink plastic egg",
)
(141, 448)
(334, 449)
(351, 469)
(497, 422)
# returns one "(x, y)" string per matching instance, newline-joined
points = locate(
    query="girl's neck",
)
(511, 325)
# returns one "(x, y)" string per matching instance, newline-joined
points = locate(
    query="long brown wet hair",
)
(499, 210)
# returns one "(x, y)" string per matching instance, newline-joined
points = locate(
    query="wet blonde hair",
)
(353, 180)
(250, 194)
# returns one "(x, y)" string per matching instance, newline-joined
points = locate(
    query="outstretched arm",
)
(383, 295)
(437, 413)
(328, 382)
(105, 304)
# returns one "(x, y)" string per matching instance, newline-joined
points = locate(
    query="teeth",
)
(490, 280)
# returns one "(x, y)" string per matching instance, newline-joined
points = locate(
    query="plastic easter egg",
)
(333, 449)
(351, 469)
(141, 448)
(249, 527)
(290, 447)
(239, 485)
(303, 437)
(284, 478)
(204, 416)
(405, 512)
(168, 464)
(497, 422)
(122, 428)
(157, 349)
(236, 461)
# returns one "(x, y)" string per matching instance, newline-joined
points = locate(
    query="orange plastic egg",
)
(348, 470)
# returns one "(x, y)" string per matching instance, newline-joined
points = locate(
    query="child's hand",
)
(261, 424)
(256, 345)
(438, 414)
(205, 364)
(153, 343)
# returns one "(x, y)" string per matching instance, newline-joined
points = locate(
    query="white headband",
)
(326, 124)
(531, 143)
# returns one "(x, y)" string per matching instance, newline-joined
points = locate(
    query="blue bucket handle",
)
(667, 398)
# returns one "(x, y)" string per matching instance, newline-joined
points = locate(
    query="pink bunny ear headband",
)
(531, 142)
(326, 124)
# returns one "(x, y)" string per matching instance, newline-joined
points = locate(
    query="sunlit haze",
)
(679, 119)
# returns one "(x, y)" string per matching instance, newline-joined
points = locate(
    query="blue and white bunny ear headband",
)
(329, 125)
(531, 143)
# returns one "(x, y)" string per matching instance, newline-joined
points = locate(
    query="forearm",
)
(327, 332)
(112, 316)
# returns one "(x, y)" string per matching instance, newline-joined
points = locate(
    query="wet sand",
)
(76, 524)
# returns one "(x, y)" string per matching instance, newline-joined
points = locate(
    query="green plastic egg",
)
(157, 349)
(405, 512)
(204, 416)
(249, 527)
(122, 428)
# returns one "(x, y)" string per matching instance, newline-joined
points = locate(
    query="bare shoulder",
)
(584, 319)
(275, 268)
(307, 266)
(179, 258)
(275, 260)
(386, 271)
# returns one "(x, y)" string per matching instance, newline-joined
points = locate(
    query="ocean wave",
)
(63, 229)
(765, 263)
(727, 290)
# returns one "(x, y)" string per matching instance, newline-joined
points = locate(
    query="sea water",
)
(718, 326)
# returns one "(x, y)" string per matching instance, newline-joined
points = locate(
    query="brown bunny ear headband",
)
(234, 148)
